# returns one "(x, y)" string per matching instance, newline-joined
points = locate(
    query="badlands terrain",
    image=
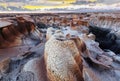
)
(60, 47)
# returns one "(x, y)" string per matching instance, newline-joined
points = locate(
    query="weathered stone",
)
(63, 60)
(12, 32)
(116, 58)
(4, 65)
(37, 67)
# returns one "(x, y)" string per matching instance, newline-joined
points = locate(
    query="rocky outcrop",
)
(13, 30)
(107, 20)
(4, 65)
(63, 59)
(49, 33)
(37, 67)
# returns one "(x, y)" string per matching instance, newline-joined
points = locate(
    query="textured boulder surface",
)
(63, 60)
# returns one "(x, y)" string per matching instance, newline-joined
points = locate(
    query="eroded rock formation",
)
(69, 52)
(13, 30)
(63, 59)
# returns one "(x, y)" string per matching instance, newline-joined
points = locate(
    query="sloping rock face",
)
(18, 35)
(37, 67)
(63, 60)
(14, 29)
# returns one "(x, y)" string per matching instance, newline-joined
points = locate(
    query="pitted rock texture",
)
(60, 58)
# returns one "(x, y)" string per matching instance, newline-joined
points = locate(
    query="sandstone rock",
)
(107, 21)
(63, 60)
(89, 75)
(104, 59)
(13, 30)
(91, 36)
(94, 51)
(4, 65)
(110, 53)
(116, 58)
(37, 67)
(50, 32)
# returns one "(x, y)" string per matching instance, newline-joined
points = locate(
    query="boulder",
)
(37, 67)
(63, 60)
(4, 66)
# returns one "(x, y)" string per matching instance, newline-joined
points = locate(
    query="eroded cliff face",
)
(107, 20)
(14, 29)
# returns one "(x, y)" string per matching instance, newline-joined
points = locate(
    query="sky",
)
(9, 5)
